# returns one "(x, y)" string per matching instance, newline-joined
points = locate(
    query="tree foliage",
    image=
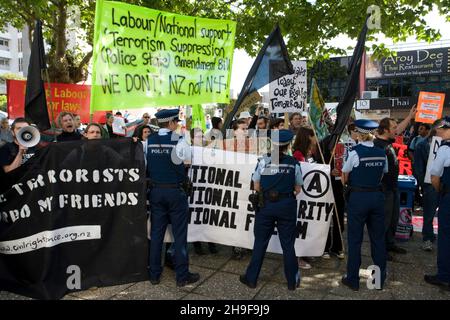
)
(306, 24)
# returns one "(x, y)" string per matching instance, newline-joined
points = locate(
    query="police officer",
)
(362, 172)
(440, 179)
(278, 177)
(168, 201)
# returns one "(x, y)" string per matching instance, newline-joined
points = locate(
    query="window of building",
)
(20, 64)
(4, 63)
(4, 44)
(396, 87)
(19, 44)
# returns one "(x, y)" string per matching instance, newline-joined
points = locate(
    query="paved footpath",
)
(220, 280)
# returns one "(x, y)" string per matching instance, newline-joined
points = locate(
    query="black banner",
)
(410, 63)
(74, 217)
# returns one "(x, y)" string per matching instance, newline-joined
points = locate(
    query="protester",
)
(108, 126)
(304, 145)
(146, 119)
(215, 133)
(77, 123)
(66, 122)
(208, 122)
(245, 115)
(198, 140)
(5, 132)
(303, 148)
(277, 124)
(440, 179)
(424, 130)
(387, 131)
(13, 154)
(334, 244)
(430, 196)
(363, 171)
(145, 124)
(280, 210)
(93, 131)
(295, 122)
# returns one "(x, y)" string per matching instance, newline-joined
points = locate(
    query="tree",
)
(307, 25)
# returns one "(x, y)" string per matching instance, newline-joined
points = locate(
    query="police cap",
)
(166, 115)
(445, 123)
(282, 137)
(365, 126)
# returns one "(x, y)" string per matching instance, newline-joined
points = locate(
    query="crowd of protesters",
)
(304, 148)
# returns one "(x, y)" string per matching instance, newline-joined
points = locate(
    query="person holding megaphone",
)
(14, 154)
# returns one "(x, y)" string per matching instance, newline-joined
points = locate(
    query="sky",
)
(242, 62)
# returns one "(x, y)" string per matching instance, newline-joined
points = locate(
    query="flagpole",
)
(51, 104)
(317, 139)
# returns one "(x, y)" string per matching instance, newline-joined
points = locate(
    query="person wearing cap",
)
(168, 199)
(362, 173)
(278, 177)
(246, 116)
(440, 179)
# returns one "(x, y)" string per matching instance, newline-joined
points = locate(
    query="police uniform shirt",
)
(442, 160)
(264, 161)
(182, 149)
(353, 159)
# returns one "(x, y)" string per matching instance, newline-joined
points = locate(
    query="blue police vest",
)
(370, 170)
(279, 177)
(445, 178)
(160, 167)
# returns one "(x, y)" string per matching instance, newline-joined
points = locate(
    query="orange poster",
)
(429, 106)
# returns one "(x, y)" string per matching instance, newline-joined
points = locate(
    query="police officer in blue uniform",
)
(440, 179)
(278, 177)
(168, 198)
(362, 172)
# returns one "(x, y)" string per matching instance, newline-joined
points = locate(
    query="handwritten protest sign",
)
(288, 94)
(146, 58)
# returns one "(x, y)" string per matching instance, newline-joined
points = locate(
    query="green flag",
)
(317, 111)
(198, 117)
(147, 58)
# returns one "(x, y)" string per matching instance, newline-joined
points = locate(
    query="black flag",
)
(271, 64)
(35, 101)
(345, 106)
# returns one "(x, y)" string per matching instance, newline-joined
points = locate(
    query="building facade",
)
(391, 85)
(14, 53)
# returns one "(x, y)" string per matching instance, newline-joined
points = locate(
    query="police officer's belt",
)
(279, 196)
(359, 189)
(166, 185)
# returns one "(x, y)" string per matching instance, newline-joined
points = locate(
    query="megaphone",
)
(28, 136)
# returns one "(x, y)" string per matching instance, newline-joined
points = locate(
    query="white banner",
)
(435, 143)
(220, 211)
(288, 94)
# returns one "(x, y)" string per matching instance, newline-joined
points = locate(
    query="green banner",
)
(317, 111)
(198, 117)
(147, 58)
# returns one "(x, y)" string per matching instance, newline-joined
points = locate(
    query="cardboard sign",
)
(429, 106)
(435, 143)
(288, 94)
